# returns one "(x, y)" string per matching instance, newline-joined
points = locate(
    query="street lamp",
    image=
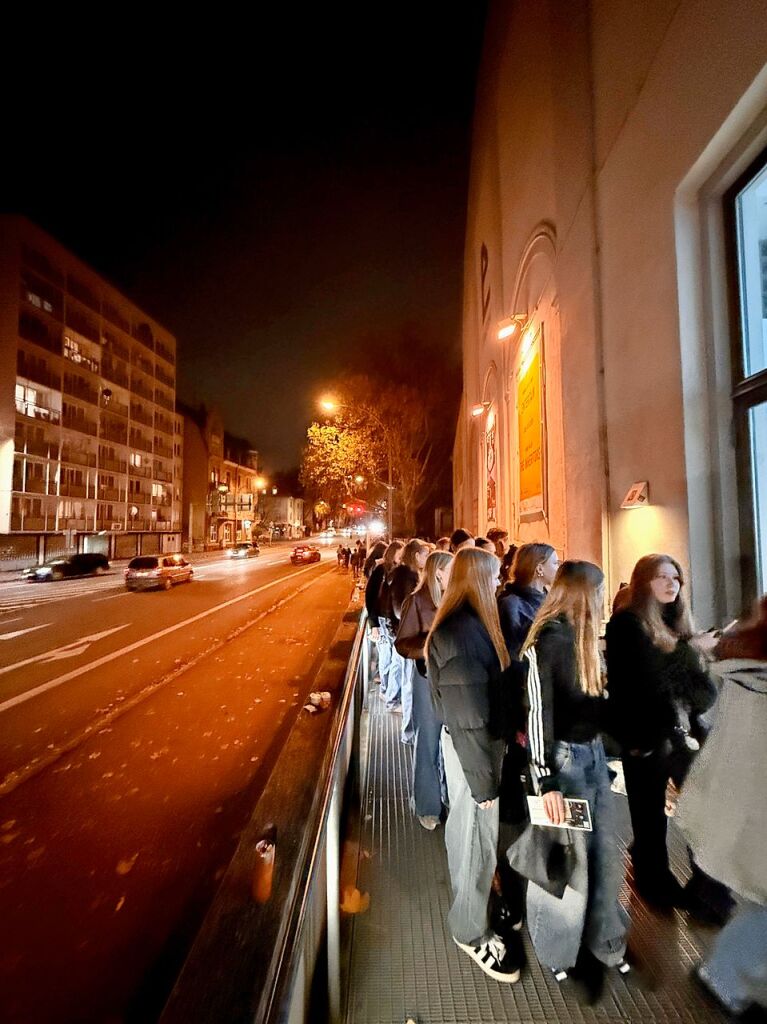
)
(330, 405)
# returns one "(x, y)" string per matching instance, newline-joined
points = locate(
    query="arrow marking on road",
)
(21, 632)
(68, 651)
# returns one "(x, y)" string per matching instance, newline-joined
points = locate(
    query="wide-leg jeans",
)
(589, 912)
(471, 840)
(428, 765)
(736, 967)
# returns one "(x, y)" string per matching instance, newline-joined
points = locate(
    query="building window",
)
(747, 211)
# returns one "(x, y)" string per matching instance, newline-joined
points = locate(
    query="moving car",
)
(149, 572)
(86, 564)
(304, 553)
(245, 550)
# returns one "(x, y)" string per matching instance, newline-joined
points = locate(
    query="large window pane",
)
(757, 422)
(751, 208)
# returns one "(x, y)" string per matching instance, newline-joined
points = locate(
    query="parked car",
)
(87, 564)
(304, 553)
(244, 550)
(149, 572)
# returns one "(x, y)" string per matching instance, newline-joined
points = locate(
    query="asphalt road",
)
(135, 731)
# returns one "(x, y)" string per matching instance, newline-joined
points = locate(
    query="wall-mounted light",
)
(479, 408)
(637, 496)
(510, 325)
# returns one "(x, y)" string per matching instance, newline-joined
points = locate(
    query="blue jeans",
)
(589, 913)
(391, 686)
(471, 841)
(428, 766)
(408, 727)
(383, 644)
(736, 967)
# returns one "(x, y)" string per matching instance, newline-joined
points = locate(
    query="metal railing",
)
(262, 943)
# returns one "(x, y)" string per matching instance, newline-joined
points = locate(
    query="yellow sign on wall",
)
(530, 423)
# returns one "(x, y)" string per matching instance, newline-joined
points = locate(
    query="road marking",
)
(71, 650)
(21, 632)
(124, 593)
(21, 698)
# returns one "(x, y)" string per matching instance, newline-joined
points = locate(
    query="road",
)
(135, 731)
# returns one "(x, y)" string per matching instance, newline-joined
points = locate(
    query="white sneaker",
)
(490, 957)
(429, 821)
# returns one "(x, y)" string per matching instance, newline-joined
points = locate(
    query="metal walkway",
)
(404, 966)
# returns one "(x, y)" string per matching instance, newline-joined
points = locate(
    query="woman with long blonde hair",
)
(565, 686)
(465, 655)
(416, 620)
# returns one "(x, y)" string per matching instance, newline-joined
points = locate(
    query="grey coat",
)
(461, 664)
(723, 808)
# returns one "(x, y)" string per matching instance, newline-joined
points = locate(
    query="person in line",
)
(373, 558)
(535, 567)
(403, 580)
(377, 605)
(507, 563)
(500, 538)
(484, 544)
(585, 930)
(340, 555)
(723, 814)
(443, 544)
(465, 654)
(418, 613)
(460, 538)
(657, 669)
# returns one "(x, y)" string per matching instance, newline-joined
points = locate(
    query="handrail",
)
(253, 961)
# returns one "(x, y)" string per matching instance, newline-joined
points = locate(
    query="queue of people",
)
(497, 664)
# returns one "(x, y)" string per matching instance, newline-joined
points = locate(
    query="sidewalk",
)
(404, 964)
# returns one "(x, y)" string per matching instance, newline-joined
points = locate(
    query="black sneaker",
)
(490, 956)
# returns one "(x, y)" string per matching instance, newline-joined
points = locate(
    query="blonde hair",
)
(576, 593)
(429, 581)
(472, 582)
(665, 630)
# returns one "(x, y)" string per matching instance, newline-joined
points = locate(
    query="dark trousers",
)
(646, 779)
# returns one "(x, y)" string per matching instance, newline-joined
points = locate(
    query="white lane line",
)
(70, 650)
(21, 632)
(21, 698)
(124, 593)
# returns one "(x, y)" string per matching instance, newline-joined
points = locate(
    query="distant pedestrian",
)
(347, 558)
(340, 555)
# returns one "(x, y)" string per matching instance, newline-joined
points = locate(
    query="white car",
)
(152, 572)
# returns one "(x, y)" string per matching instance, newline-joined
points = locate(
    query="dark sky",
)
(272, 192)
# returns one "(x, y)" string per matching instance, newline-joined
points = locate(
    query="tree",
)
(333, 455)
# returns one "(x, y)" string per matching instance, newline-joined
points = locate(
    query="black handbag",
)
(545, 856)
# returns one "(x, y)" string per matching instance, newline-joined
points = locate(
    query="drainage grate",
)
(404, 963)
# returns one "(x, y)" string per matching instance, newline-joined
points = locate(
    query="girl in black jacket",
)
(566, 698)
(377, 605)
(659, 685)
(402, 582)
(465, 655)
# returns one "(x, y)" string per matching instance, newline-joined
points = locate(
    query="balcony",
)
(139, 441)
(74, 491)
(79, 424)
(79, 388)
(164, 400)
(47, 449)
(165, 450)
(138, 387)
(37, 412)
(37, 372)
(72, 524)
(163, 423)
(141, 415)
(111, 494)
(144, 472)
(77, 457)
(115, 372)
(113, 465)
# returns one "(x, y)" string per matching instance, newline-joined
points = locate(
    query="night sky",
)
(273, 192)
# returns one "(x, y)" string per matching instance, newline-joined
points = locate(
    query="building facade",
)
(220, 483)
(282, 514)
(89, 452)
(615, 289)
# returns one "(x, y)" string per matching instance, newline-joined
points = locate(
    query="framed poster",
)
(531, 430)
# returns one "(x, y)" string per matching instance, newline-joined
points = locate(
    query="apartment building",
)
(220, 482)
(91, 447)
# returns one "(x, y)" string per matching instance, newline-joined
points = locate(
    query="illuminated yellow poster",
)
(530, 421)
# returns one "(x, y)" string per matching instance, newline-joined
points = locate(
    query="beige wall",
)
(594, 122)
